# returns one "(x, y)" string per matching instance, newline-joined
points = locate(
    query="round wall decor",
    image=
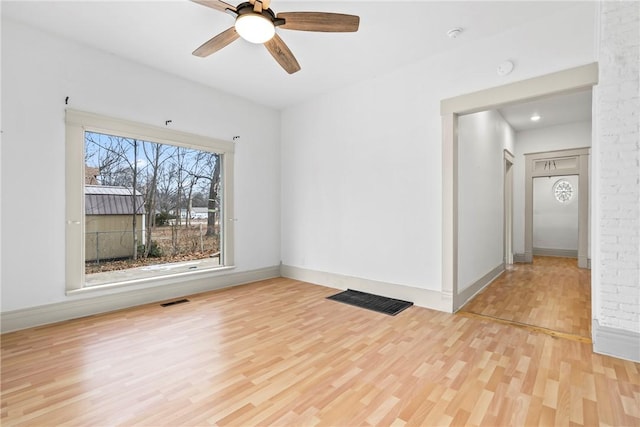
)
(563, 191)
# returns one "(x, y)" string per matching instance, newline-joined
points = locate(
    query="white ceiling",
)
(554, 111)
(162, 35)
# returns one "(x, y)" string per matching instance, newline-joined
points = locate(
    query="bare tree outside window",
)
(149, 204)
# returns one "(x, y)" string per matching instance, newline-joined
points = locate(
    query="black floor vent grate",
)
(180, 301)
(377, 303)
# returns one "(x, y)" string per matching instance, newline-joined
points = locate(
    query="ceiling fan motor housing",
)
(247, 8)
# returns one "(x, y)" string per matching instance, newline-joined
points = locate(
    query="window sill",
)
(160, 280)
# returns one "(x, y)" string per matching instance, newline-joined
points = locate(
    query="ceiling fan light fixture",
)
(255, 28)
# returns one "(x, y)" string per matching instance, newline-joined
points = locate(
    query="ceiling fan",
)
(256, 23)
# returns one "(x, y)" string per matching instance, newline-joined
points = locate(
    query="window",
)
(144, 203)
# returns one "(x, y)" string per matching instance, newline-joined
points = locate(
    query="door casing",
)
(562, 82)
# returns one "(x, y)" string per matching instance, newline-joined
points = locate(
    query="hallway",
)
(551, 293)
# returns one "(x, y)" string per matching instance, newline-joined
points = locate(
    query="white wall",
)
(361, 167)
(616, 263)
(555, 224)
(38, 71)
(572, 135)
(1, 154)
(482, 139)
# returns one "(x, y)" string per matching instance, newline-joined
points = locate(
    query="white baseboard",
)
(523, 258)
(421, 297)
(75, 308)
(564, 253)
(615, 342)
(519, 258)
(468, 293)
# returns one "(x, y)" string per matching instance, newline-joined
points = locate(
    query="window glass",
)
(150, 208)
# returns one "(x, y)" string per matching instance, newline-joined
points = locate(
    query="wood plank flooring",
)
(277, 352)
(551, 293)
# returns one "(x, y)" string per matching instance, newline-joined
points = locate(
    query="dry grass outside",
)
(175, 243)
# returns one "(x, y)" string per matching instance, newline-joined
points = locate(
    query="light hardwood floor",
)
(278, 353)
(550, 293)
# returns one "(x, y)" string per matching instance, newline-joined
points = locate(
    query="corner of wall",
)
(434, 300)
(475, 288)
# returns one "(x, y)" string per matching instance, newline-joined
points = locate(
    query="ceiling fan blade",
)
(217, 43)
(216, 4)
(281, 53)
(320, 21)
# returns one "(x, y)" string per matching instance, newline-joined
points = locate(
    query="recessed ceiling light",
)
(535, 117)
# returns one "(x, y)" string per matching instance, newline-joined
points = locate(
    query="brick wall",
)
(617, 164)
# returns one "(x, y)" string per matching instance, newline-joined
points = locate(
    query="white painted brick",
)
(619, 213)
(613, 298)
(610, 173)
(618, 198)
(627, 240)
(630, 225)
(633, 296)
(611, 94)
(609, 139)
(610, 323)
(612, 316)
(622, 316)
(610, 319)
(626, 315)
(609, 240)
(609, 248)
(610, 305)
(618, 202)
(630, 274)
(612, 279)
(619, 147)
(627, 267)
(629, 307)
(609, 157)
(630, 138)
(628, 35)
(630, 325)
(616, 264)
(619, 231)
(627, 174)
(627, 249)
(630, 105)
(614, 304)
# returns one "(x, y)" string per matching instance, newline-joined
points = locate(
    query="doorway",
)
(562, 82)
(533, 307)
(556, 164)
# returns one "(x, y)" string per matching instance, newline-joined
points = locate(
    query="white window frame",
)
(77, 123)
